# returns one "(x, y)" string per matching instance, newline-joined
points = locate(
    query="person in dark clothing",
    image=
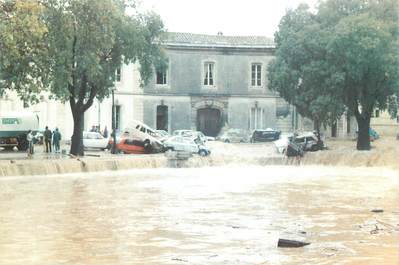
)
(56, 140)
(47, 139)
(105, 133)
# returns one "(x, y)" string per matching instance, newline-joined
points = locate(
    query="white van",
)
(142, 132)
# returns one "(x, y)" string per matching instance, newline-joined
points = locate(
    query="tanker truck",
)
(14, 127)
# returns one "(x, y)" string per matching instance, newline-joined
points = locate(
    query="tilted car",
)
(179, 143)
(267, 135)
(308, 141)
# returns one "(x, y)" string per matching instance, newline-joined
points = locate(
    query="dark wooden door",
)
(209, 121)
(162, 117)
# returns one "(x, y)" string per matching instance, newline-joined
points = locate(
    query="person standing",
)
(47, 139)
(105, 133)
(29, 138)
(56, 140)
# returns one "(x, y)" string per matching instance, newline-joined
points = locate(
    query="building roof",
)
(201, 40)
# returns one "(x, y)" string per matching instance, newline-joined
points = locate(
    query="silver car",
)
(235, 136)
(179, 143)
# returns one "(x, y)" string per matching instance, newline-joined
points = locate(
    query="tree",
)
(21, 46)
(364, 49)
(345, 53)
(300, 71)
(85, 42)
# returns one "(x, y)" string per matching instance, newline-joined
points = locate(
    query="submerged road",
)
(224, 215)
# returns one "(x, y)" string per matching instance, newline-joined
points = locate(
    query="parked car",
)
(162, 135)
(94, 140)
(309, 142)
(234, 136)
(193, 135)
(267, 135)
(282, 143)
(184, 133)
(179, 143)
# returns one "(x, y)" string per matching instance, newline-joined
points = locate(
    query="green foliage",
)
(300, 71)
(347, 53)
(72, 48)
(22, 49)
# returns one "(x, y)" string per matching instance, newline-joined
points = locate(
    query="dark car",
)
(267, 135)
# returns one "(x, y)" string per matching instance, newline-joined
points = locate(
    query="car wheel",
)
(202, 152)
(169, 148)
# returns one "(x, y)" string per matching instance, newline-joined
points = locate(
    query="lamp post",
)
(113, 148)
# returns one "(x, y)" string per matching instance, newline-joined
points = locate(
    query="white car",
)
(94, 140)
(179, 143)
(193, 135)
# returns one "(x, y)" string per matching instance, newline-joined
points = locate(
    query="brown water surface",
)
(227, 215)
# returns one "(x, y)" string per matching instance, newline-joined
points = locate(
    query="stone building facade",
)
(213, 82)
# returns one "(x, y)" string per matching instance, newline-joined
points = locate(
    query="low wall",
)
(69, 165)
(385, 153)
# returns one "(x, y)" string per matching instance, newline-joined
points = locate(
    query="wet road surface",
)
(227, 215)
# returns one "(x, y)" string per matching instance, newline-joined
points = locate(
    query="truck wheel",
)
(22, 144)
(202, 152)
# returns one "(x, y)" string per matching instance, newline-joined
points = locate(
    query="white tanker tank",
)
(14, 127)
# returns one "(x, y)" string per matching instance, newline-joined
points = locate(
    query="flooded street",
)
(224, 215)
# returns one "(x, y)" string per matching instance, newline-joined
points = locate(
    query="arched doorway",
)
(209, 121)
(162, 117)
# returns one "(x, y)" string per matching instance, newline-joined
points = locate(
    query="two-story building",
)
(212, 82)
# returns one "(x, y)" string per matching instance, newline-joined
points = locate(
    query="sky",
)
(231, 17)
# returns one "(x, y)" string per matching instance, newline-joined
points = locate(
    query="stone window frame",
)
(214, 76)
(262, 75)
(167, 85)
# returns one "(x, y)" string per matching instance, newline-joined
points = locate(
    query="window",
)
(256, 118)
(209, 73)
(161, 77)
(256, 74)
(118, 74)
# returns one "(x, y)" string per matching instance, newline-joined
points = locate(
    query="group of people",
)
(97, 129)
(51, 140)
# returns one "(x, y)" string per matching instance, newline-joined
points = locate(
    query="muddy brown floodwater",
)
(226, 215)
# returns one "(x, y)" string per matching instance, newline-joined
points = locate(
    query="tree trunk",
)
(77, 137)
(363, 137)
(317, 129)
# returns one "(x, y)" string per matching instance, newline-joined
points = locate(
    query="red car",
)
(130, 146)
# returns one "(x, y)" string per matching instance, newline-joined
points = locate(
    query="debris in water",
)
(177, 259)
(285, 243)
(377, 211)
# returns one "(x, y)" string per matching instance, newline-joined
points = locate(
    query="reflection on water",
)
(201, 216)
